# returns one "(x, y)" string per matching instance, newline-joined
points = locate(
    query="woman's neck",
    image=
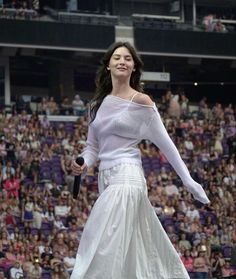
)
(121, 89)
(123, 92)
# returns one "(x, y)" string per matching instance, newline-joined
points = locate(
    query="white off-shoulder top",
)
(118, 128)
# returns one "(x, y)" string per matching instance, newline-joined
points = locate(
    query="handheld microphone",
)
(77, 180)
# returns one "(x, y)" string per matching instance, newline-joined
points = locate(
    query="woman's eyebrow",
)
(118, 55)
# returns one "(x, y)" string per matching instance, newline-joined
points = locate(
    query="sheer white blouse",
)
(118, 128)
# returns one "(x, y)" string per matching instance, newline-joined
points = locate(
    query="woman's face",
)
(121, 63)
(187, 253)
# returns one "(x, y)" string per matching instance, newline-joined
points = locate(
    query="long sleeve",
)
(156, 133)
(90, 153)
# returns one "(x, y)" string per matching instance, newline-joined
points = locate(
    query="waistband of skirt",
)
(112, 163)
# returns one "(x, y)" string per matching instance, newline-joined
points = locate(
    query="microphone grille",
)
(79, 161)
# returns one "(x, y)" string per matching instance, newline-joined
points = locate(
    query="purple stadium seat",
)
(226, 250)
(46, 274)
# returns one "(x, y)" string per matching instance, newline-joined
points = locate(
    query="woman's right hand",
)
(77, 169)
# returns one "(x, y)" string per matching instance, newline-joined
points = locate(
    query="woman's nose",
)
(122, 60)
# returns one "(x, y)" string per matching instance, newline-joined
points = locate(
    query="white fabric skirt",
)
(123, 238)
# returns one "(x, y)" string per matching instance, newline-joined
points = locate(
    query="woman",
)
(12, 187)
(201, 265)
(123, 238)
(217, 264)
(28, 210)
(37, 213)
(187, 260)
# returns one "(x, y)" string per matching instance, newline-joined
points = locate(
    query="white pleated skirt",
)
(123, 238)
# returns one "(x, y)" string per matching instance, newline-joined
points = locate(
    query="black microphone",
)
(80, 162)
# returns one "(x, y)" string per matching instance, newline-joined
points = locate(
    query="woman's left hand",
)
(197, 191)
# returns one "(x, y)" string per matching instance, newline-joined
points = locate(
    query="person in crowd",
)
(3, 151)
(60, 272)
(217, 263)
(56, 259)
(10, 220)
(16, 272)
(201, 265)
(35, 272)
(37, 213)
(52, 106)
(69, 261)
(208, 22)
(168, 208)
(43, 106)
(8, 170)
(78, 106)
(184, 104)
(5, 241)
(2, 275)
(188, 144)
(192, 212)
(62, 209)
(12, 187)
(55, 190)
(187, 260)
(130, 116)
(28, 210)
(65, 106)
(174, 109)
(59, 244)
(220, 27)
(171, 189)
(227, 271)
(35, 166)
(58, 223)
(184, 242)
(11, 148)
(45, 123)
(45, 263)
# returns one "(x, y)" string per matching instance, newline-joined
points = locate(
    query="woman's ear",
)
(108, 68)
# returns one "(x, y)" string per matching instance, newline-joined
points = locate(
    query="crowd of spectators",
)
(49, 106)
(20, 9)
(32, 9)
(41, 224)
(212, 24)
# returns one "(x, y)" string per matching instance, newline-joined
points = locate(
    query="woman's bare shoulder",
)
(143, 99)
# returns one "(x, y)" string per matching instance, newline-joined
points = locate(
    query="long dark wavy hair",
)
(103, 78)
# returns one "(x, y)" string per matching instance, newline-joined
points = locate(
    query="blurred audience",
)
(41, 224)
